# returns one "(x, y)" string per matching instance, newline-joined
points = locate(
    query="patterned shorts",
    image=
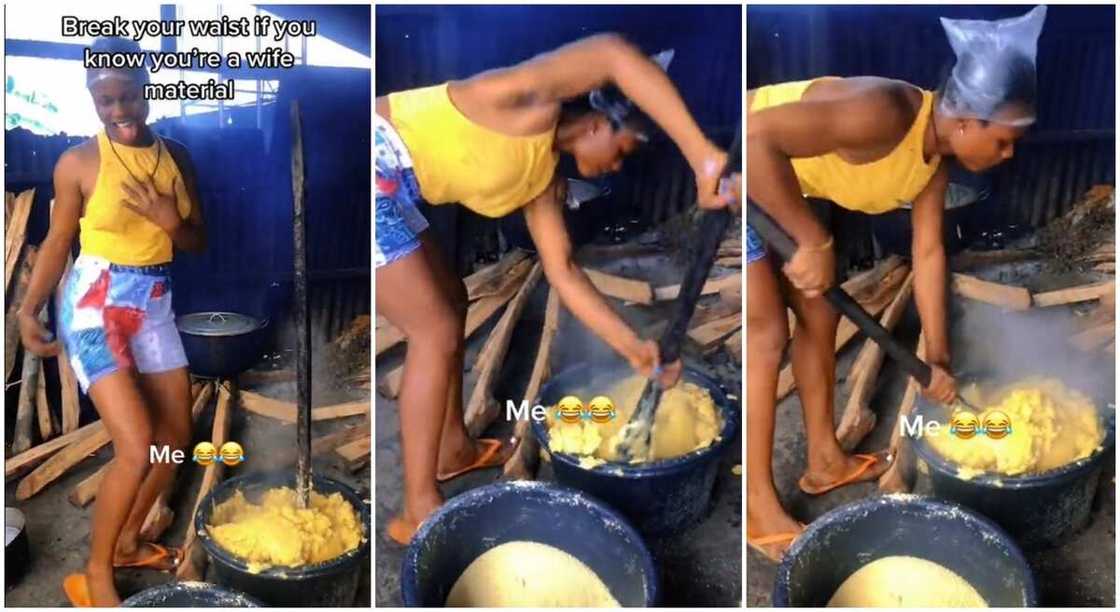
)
(114, 317)
(756, 248)
(397, 220)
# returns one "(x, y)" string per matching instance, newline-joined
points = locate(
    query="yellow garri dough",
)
(905, 582)
(277, 532)
(1051, 426)
(529, 575)
(686, 420)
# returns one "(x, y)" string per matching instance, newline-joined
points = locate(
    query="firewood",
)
(25, 408)
(706, 314)
(734, 346)
(1004, 296)
(482, 409)
(522, 465)
(490, 279)
(335, 439)
(286, 411)
(858, 420)
(627, 289)
(899, 477)
(17, 464)
(16, 234)
(43, 407)
(1108, 266)
(707, 336)
(60, 463)
(874, 302)
(869, 279)
(158, 520)
(973, 259)
(193, 561)
(714, 285)
(15, 299)
(356, 453)
(729, 262)
(86, 490)
(1083, 293)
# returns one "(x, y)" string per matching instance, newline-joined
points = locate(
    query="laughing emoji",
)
(997, 424)
(232, 453)
(570, 409)
(964, 424)
(602, 409)
(204, 453)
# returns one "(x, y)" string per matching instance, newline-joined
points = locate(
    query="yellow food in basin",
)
(529, 575)
(1047, 426)
(905, 582)
(277, 532)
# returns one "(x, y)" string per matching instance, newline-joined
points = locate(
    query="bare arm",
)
(546, 225)
(53, 253)
(930, 268)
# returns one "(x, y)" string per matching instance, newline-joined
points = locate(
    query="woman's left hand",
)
(645, 358)
(159, 208)
(709, 168)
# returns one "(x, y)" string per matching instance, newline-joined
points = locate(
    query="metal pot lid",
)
(217, 323)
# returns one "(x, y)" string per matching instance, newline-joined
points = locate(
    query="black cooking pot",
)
(190, 594)
(17, 549)
(221, 344)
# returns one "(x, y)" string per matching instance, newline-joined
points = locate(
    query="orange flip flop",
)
(490, 457)
(152, 562)
(867, 461)
(400, 530)
(775, 538)
(76, 587)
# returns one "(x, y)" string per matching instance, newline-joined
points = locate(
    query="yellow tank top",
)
(876, 187)
(457, 160)
(110, 230)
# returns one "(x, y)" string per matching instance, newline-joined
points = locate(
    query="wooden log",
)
(9, 204)
(707, 314)
(15, 299)
(967, 260)
(858, 420)
(194, 561)
(60, 463)
(714, 285)
(628, 289)
(286, 411)
(43, 408)
(335, 439)
(86, 490)
(1108, 266)
(729, 262)
(490, 279)
(481, 408)
(17, 464)
(871, 278)
(1004, 296)
(25, 408)
(1083, 293)
(874, 302)
(522, 465)
(899, 477)
(16, 234)
(707, 336)
(355, 454)
(734, 346)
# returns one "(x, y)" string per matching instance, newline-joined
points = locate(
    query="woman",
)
(133, 197)
(871, 145)
(492, 142)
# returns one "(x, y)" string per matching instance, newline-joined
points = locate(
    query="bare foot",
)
(102, 592)
(846, 469)
(136, 552)
(767, 522)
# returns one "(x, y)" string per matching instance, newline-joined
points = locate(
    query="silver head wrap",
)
(616, 106)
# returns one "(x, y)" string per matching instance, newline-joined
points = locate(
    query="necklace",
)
(159, 157)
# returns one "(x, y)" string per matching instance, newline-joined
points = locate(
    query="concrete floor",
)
(59, 531)
(700, 567)
(1079, 573)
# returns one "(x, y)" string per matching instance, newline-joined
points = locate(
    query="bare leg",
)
(409, 295)
(767, 328)
(127, 418)
(169, 394)
(457, 449)
(814, 367)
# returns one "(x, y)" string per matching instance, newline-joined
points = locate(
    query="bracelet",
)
(824, 247)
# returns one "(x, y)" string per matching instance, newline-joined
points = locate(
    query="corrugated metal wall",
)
(1072, 146)
(246, 191)
(424, 45)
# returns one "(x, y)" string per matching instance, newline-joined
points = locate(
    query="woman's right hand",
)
(35, 336)
(811, 270)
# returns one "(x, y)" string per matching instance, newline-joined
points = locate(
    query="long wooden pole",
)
(303, 327)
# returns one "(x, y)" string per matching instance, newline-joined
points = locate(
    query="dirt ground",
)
(59, 531)
(700, 567)
(1078, 573)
